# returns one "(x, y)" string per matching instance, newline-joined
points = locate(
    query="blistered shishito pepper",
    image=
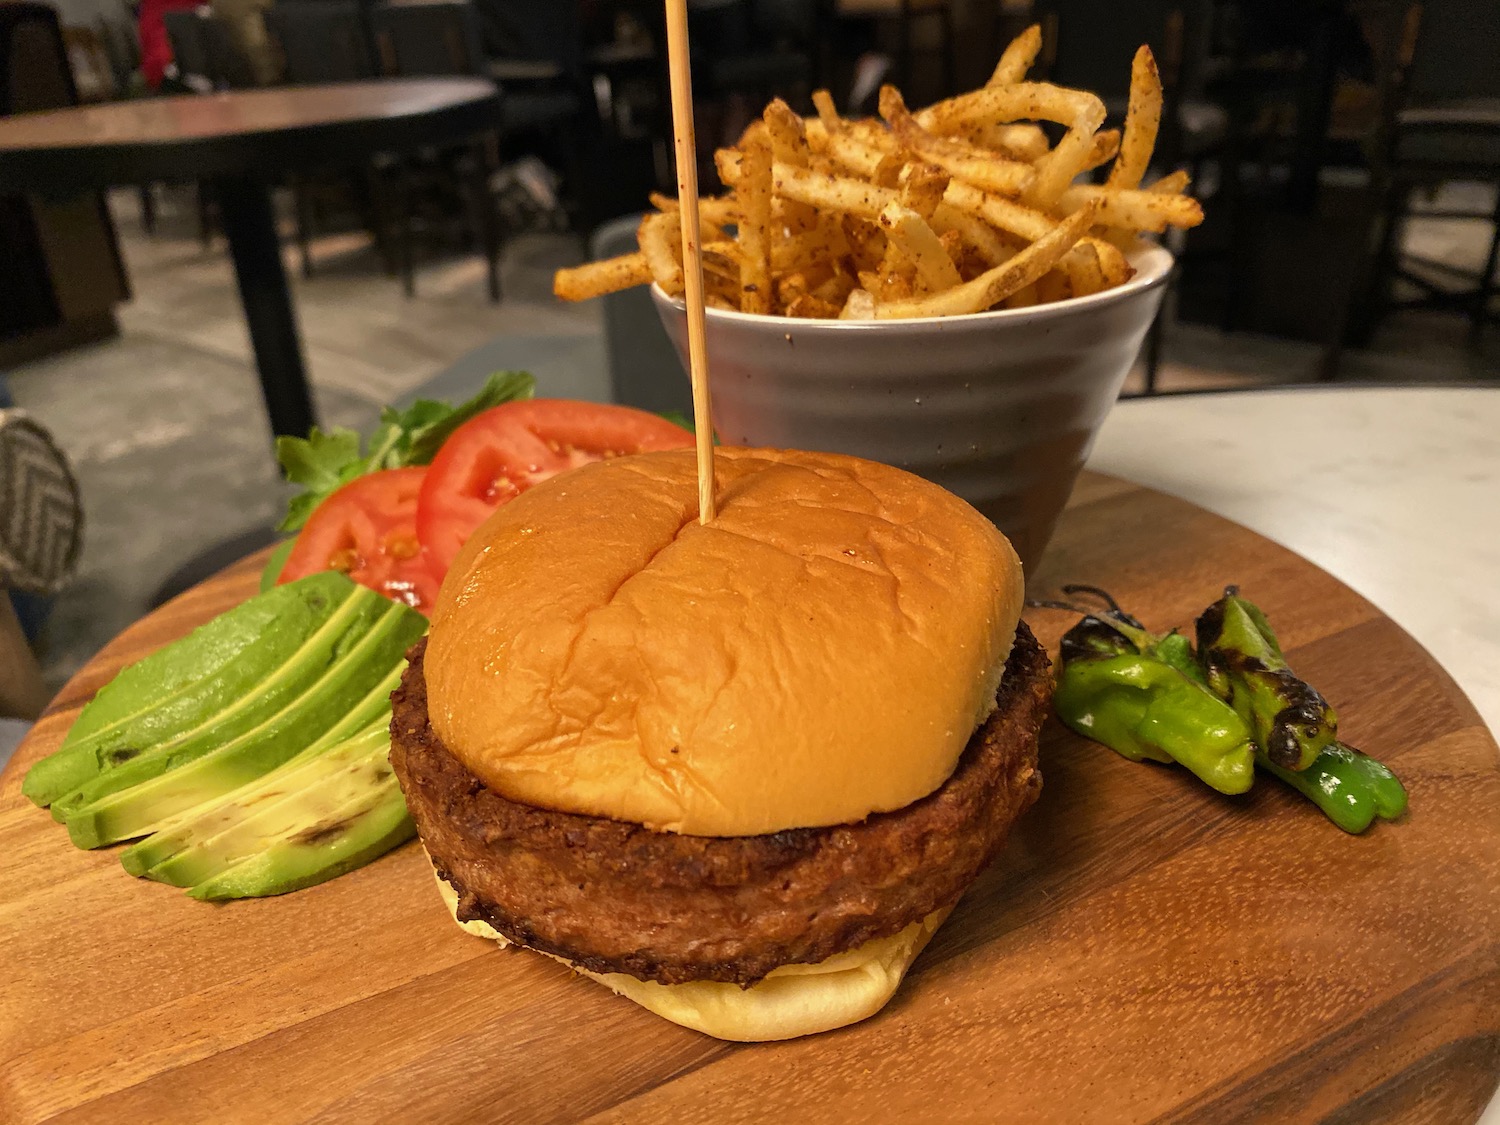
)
(1351, 788)
(1290, 721)
(1142, 696)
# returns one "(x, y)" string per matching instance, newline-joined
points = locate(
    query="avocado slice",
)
(121, 813)
(346, 837)
(302, 796)
(348, 625)
(373, 713)
(178, 687)
(197, 824)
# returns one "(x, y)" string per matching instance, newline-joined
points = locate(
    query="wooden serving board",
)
(1144, 950)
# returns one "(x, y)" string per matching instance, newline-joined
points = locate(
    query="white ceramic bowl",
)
(998, 407)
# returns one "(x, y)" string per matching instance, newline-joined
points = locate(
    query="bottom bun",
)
(790, 1001)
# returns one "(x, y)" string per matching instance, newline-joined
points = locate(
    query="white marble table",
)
(1394, 490)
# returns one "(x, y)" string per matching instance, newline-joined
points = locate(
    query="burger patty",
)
(614, 897)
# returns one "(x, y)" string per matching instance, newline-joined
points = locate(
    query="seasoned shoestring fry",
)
(955, 208)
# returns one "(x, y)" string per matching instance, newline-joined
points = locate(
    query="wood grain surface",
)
(1145, 950)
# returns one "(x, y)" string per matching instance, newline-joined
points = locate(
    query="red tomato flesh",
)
(367, 530)
(494, 457)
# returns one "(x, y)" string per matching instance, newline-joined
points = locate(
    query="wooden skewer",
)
(692, 248)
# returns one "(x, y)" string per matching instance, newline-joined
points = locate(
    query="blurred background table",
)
(241, 141)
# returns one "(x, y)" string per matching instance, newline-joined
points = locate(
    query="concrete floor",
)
(167, 434)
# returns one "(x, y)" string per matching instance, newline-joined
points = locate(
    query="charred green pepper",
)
(1351, 788)
(1290, 721)
(1144, 697)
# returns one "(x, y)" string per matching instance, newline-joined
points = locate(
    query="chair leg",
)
(148, 208)
(205, 216)
(403, 230)
(483, 205)
(1479, 315)
(304, 211)
(1375, 295)
(382, 217)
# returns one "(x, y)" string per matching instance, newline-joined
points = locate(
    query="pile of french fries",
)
(961, 207)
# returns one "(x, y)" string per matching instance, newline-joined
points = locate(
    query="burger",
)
(738, 771)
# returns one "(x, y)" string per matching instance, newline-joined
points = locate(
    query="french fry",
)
(978, 236)
(1085, 274)
(595, 279)
(1023, 101)
(754, 231)
(718, 210)
(1059, 168)
(995, 285)
(823, 243)
(1019, 142)
(835, 193)
(953, 245)
(1116, 269)
(859, 305)
(836, 289)
(920, 245)
(717, 260)
(984, 169)
(1003, 214)
(1142, 120)
(1106, 148)
(1133, 210)
(864, 159)
(873, 132)
(789, 146)
(1173, 183)
(788, 136)
(813, 307)
(1022, 298)
(866, 241)
(959, 206)
(817, 135)
(727, 162)
(718, 285)
(1018, 57)
(921, 188)
(1053, 286)
(660, 240)
(828, 113)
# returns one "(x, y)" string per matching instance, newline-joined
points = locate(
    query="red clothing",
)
(156, 48)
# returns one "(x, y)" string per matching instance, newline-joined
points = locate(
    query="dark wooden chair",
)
(1444, 126)
(539, 79)
(329, 41)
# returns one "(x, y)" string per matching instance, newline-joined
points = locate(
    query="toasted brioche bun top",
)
(822, 650)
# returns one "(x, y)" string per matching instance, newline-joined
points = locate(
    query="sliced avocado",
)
(306, 796)
(203, 821)
(121, 813)
(371, 714)
(353, 834)
(184, 684)
(348, 625)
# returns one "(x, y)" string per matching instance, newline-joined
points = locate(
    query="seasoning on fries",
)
(957, 208)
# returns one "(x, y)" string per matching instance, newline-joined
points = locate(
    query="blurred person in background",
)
(151, 29)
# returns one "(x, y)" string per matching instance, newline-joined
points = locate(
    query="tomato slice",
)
(367, 529)
(495, 456)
